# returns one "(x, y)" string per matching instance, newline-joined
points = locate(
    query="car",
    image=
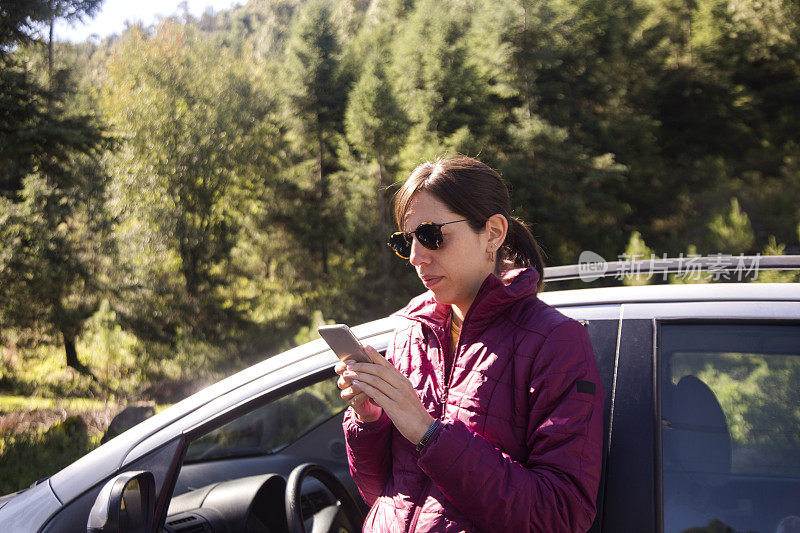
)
(702, 423)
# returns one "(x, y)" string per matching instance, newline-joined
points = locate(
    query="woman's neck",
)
(460, 309)
(458, 315)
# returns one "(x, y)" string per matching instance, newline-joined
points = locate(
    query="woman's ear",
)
(497, 228)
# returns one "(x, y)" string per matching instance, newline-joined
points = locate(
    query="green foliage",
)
(776, 276)
(731, 232)
(111, 354)
(22, 20)
(637, 250)
(758, 394)
(248, 193)
(201, 143)
(690, 275)
(27, 457)
(439, 88)
(54, 235)
(315, 89)
(314, 54)
(309, 333)
(374, 122)
(54, 254)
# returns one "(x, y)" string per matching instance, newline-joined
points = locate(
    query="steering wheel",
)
(345, 517)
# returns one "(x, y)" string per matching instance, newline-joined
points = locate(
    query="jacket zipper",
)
(449, 378)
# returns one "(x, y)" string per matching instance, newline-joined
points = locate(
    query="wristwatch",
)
(428, 435)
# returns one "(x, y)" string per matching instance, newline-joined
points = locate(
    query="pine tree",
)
(637, 250)
(53, 262)
(731, 232)
(374, 125)
(317, 95)
(440, 87)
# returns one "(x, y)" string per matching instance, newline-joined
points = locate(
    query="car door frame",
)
(658, 325)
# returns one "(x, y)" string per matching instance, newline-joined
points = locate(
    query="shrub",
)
(29, 456)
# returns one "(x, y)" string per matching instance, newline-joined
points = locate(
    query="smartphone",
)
(343, 343)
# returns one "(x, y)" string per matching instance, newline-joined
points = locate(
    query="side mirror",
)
(126, 504)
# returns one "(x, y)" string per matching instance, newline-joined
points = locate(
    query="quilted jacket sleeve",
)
(556, 487)
(369, 448)
(369, 453)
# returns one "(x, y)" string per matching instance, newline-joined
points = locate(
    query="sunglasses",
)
(429, 235)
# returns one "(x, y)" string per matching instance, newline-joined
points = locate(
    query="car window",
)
(730, 427)
(272, 427)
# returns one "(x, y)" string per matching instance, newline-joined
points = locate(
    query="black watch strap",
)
(428, 435)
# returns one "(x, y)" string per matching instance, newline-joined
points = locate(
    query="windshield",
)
(272, 427)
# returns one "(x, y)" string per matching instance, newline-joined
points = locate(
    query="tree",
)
(731, 232)
(20, 21)
(52, 259)
(637, 250)
(571, 125)
(374, 125)
(440, 88)
(69, 11)
(316, 89)
(201, 144)
(35, 130)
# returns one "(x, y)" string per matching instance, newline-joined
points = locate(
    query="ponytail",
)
(521, 249)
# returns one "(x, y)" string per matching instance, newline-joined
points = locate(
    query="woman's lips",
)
(431, 281)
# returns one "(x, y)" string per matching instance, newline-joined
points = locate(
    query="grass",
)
(10, 404)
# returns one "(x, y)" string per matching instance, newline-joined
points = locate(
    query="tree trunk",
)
(50, 52)
(526, 73)
(689, 6)
(384, 230)
(71, 352)
(321, 194)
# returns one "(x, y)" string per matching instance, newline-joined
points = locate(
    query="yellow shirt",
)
(455, 331)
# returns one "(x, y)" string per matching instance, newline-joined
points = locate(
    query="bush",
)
(29, 456)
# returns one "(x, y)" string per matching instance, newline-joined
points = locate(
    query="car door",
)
(602, 324)
(705, 428)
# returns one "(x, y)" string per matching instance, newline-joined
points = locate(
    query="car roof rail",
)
(593, 266)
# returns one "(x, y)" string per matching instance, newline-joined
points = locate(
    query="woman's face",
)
(457, 269)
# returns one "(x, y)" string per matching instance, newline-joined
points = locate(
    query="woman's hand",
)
(390, 390)
(365, 410)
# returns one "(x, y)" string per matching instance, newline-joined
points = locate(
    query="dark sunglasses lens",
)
(401, 244)
(430, 236)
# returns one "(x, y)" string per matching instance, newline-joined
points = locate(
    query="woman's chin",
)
(441, 296)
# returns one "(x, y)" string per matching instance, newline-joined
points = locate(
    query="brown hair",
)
(475, 191)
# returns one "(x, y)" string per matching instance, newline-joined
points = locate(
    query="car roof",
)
(673, 293)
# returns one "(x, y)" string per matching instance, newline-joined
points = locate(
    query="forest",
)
(184, 199)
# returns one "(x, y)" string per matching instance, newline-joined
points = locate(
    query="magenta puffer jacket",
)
(521, 404)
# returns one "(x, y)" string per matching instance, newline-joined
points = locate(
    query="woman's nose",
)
(419, 254)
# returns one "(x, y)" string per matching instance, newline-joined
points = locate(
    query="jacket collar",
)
(495, 295)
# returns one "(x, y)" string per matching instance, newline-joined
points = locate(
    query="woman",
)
(487, 412)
